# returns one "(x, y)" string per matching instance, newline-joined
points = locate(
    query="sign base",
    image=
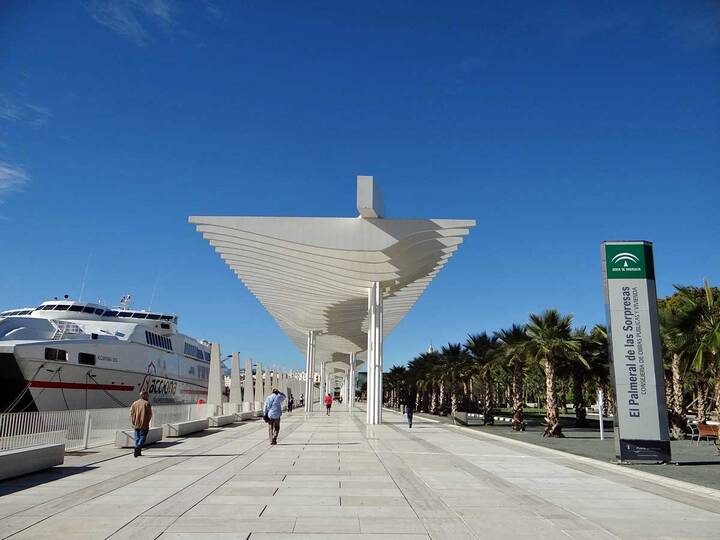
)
(638, 450)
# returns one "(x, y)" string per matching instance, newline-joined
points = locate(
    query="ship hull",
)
(31, 383)
(58, 387)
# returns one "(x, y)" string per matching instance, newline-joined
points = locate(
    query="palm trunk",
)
(677, 385)
(453, 402)
(441, 396)
(433, 400)
(702, 398)
(608, 400)
(669, 395)
(488, 417)
(678, 422)
(518, 421)
(552, 429)
(579, 399)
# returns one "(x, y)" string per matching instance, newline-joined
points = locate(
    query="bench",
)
(217, 421)
(178, 429)
(21, 461)
(125, 438)
(706, 431)
(245, 415)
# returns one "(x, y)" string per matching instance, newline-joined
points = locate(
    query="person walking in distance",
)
(328, 403)
(409, 410)
(272, 411)
(140, 416)
(291, 403)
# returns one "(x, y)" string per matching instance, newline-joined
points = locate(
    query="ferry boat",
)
(65, 355)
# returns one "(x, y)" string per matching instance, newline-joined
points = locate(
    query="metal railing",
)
(85, 428)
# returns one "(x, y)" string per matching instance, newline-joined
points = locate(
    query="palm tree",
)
(578, 368)
(701, 323)
(421, 377)
(675, 351)
(513, 344)
(454, 369)
(481, 350)
(550, 341)
(394, 381)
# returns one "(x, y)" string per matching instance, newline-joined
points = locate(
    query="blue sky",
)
(554, 125)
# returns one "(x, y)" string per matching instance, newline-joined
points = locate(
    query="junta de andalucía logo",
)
(627, 259)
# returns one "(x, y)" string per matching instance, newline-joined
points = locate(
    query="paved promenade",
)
(333, 477)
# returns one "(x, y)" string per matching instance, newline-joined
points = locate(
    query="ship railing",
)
(85, 428)
(64, 327)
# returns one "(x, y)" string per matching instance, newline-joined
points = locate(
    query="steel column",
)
(375, 354)
(309, 371)
(351, 390)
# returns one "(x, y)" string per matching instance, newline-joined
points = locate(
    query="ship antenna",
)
(125, 301)
(152, 296)
(82, 285)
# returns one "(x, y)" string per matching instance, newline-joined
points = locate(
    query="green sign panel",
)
(629, 261)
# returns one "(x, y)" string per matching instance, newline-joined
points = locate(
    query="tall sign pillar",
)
(215, 380)
(248, 392)
(641, 421)
(235, 401)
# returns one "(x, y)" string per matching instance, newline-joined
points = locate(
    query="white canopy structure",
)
(337, 286)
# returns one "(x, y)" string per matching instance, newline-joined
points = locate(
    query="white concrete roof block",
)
(369, 201)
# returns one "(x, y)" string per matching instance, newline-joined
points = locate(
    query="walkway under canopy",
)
(337, 286)
(337, 478)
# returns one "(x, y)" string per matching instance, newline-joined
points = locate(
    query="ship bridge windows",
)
(88, 309)
(194, 351)
(156, 340)
(61, 307)
(58, 355)
(86, 359)
(75, 307)
(137, 315)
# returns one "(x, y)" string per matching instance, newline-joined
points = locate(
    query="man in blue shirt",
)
(272, 411)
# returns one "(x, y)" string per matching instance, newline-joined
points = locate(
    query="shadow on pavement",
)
(164, 456)
(13, 485)
(318, 444)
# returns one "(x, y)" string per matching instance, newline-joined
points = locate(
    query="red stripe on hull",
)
(80, 386)
(199, 392)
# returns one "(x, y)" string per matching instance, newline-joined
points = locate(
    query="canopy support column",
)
(351, 383)
(375, 354)
(323, 381)
(309, 371)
